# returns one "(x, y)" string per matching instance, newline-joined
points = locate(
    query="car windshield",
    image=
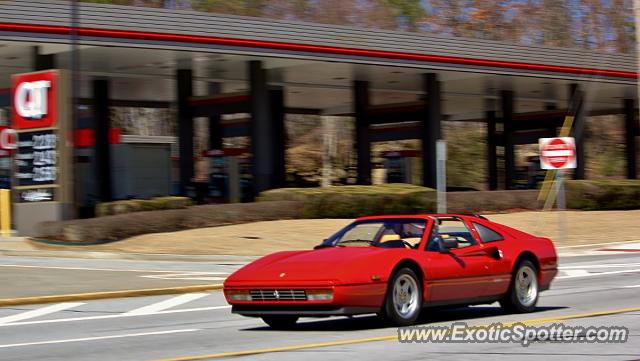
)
(389, 233)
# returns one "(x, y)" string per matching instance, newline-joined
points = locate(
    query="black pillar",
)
(507, 135)
(215, 125)
(102, 124)
(184, 78)
(492, 156)
(215, 131)
(276, 97)
(363, 144)
(262, 131)
(577, 108)
(552, 130)
(631, 131)
(42, 61)
(431, 124)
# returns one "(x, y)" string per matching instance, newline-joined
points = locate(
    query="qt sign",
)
(8, 141)
(34, 99)
(557, 153)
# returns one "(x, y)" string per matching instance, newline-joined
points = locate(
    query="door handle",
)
(494, 252)
(497, 253)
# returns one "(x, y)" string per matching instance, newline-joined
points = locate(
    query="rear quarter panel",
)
(542, 249)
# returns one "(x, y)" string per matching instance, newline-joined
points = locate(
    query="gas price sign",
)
(36, 159)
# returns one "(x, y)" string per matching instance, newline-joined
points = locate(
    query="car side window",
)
(450, 228)
(487, 234)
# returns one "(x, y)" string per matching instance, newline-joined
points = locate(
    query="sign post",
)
(558, 154)
(43, 156)
(441, 172)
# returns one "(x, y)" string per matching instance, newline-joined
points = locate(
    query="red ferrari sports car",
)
(396, 266)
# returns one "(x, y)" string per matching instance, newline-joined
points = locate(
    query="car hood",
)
(331, 266)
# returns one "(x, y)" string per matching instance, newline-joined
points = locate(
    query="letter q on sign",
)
(8, 138)
(30, 99)
(34, 98)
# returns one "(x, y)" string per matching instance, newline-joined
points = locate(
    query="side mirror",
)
(322, 245)
(447, 244)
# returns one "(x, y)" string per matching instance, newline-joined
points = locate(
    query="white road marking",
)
(598, 274)
(166, 304)
(121, 315)
(576, 272)
(40, 312)
(606, 265)
(633, 286)
(98, 338)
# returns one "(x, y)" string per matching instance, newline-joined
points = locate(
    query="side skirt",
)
(467, 301)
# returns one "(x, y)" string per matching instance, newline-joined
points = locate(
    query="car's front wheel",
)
(404, 298)
(280, 322)
(523, 291)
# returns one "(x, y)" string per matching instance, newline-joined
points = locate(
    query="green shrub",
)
(140, 205)
(603, 194)
(356, 201)
(491, 201)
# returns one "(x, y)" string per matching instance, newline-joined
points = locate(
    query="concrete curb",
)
(596, 249)
(108, 294)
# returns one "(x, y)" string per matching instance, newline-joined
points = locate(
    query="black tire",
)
(280, 322)
(390, 309)
(522, 299)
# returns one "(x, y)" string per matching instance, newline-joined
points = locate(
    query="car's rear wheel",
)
(280, 322)
(523, 292)
(404, 298)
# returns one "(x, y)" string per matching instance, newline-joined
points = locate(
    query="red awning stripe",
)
(85, 137)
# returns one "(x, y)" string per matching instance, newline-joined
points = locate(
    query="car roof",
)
(420, 216)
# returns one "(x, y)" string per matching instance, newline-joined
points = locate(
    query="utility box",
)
(402, 166)
(141, 170)
(229, 176)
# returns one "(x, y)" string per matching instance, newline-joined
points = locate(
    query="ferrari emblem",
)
(282, 274)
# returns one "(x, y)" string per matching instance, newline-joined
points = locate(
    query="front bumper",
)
(301, 310)
(347, 300)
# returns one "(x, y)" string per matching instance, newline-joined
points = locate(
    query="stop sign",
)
(557, 153)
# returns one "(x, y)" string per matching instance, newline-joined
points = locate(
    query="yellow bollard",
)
(5, 212)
